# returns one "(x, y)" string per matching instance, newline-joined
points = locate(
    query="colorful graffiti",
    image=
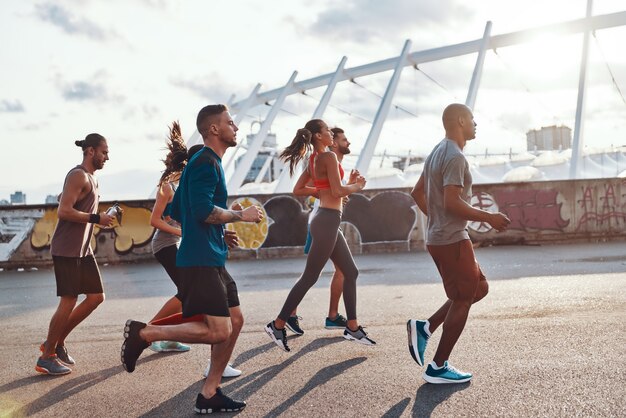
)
(373, 220)
(289, 225)
(531, 209)
(44, 228)
(602, 208)
(483, 201)
(135, 230)
(15, 229)
(388, 216)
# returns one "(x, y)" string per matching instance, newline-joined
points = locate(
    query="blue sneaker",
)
(418, 334)
(338, 323)
(446, 374)
(168, 347)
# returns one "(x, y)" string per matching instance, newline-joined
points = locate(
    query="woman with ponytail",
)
(167, 235)
(328, 242)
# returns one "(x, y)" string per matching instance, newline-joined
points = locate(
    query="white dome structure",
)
(524, 173)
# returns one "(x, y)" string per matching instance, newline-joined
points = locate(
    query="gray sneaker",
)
(279, 336)
(52, 366)
(359, 336)
(61, 353)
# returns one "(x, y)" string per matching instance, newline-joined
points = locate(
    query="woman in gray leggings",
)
(328, 241)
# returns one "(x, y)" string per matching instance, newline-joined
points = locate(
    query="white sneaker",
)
(229, 371)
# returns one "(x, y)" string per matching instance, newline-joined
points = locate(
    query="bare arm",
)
(223, 216)
(76, 187)
(328, 161)
(303, 186)
(454, 203)
(419, 195)
(164, 195)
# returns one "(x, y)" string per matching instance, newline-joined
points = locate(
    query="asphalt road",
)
(549, 340)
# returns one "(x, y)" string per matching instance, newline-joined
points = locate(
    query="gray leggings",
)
(328, 242)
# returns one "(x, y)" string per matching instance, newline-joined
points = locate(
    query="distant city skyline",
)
(128, 69)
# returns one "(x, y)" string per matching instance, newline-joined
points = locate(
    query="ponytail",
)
(301, 144)
(176, 158)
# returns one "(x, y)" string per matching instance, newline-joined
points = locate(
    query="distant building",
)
(18, 198)
(266, 160)
(549, 138)
(4, 202)
(52, 199)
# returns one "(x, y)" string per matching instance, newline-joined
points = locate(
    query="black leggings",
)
(328, 242)
(167, 257)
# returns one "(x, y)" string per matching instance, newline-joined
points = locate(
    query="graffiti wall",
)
(373, 221)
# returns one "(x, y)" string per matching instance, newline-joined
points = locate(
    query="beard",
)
(97, 164)
(230, 142)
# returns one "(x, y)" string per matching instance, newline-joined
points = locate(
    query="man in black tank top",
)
(75, 267)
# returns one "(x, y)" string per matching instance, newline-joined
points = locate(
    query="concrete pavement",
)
(549, 340)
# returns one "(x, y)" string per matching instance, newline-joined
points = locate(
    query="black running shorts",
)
(77, 275)
(207, 291)
(167, 257)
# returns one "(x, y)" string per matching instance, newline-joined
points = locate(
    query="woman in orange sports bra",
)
(328, 242)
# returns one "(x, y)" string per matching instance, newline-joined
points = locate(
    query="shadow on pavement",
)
(321, 377)
(243, 387)
(253, 352)
(428, 396)
(397, 409)
(67, 389)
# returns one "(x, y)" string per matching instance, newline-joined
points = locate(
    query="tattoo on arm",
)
(222, 216)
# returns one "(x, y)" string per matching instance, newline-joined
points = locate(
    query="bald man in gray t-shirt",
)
(443, 193)
(446, 166)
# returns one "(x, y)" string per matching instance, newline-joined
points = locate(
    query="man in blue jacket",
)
(208, 292)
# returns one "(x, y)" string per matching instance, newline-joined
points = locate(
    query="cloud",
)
(82, 90)
(93, 89)
(11, 106)
(373, 20)
(150, 111)
(35, 126)
(209, 87)
(70, 24)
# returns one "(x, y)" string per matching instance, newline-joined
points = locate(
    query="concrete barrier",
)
(373, 221)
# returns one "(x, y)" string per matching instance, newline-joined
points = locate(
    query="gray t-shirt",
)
(445, 166)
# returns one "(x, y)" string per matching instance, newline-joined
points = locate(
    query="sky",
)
(127, 69)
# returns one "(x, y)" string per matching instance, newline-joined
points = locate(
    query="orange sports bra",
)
(321, 184)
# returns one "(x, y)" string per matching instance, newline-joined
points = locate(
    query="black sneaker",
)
(279, 336)
(133, 344)
(359, 336)
(293, 324)
(217, 403)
